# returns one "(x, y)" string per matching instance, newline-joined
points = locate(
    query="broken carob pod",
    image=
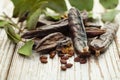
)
(60, 26)
(49, 42)
(78, 33)
(101, 43)
(93, 32)
(65, 47)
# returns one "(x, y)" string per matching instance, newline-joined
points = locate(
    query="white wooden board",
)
(16, 67)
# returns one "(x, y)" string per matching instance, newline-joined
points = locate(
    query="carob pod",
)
(60, 26)
(49, 42)
(92, 24)
(65, 46)
(101, 43)
(79, 36)
(93, 32)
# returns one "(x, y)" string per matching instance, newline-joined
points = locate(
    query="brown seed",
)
(43, 57)
(65, 57)
(52, 54)
(43, 60)
(63, 61)
(71, 52)
(63, 68)
(68, 65)
(77, 59)
(83, 60)
(61, 55)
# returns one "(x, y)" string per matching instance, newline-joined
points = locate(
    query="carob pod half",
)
(49, 42)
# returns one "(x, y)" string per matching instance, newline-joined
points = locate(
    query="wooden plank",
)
(6, 47)
(6, 52)
(105, 67)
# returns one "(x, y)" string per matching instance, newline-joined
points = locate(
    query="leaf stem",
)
(13, 23)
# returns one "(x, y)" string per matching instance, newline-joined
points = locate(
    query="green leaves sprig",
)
(8, 26)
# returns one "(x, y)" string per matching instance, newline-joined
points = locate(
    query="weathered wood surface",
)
(6, 47)
(16, 67)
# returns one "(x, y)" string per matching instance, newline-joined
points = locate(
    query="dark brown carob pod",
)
(60, 26)
(49, 42)
(93, 32)
(101, 43)
(92, 24)
(77, 30)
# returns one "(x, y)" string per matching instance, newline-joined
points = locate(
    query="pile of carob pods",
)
(76, 34)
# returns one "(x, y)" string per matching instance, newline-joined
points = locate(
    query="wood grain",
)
(16, 67)
(6, 47)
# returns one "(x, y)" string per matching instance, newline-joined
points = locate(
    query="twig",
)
(13, 23)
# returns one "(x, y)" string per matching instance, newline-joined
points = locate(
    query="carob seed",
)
(77, 59)
(65, 57)
(63, 61)
(68, 65)
(71, 52)
(83, 60)
(63, 68)
(43, 57)
(52, 54)
(43, 60)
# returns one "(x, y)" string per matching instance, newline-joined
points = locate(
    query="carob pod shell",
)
(49, 42)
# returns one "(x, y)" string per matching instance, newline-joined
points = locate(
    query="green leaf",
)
(14, 37)
(109, 4)
(110, 15)
(23, 7)
(3, 23)
(17, 7)
(57, 5)
(82, 4)
(26, 49)
(26, 7)
(33, 18)
(52, 16)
